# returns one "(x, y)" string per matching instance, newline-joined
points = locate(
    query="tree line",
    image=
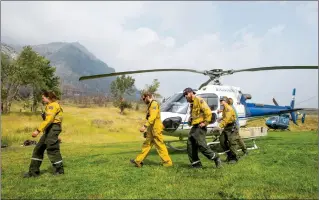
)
(24, 77)
(124, 85)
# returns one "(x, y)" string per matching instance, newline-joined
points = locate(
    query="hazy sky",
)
(202, 35)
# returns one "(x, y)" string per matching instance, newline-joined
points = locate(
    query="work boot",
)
(167, 164)
(58, 169)
(197, 165)
(30, 174)
(136, 164)
(245, 153)
(58, 173)
(218, 162)
(34, 169)
(228, 157)
(233, 161)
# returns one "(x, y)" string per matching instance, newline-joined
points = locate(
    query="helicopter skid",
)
(250, 133)
(169, 144)
(212, 145)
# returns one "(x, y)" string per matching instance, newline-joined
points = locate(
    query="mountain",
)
(9, 50)
(73, 60)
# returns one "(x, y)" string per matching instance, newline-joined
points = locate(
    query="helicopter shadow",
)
(185, 165)
(151, 152)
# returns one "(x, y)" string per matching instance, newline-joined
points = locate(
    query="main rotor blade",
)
(137, 72)
(274, 68)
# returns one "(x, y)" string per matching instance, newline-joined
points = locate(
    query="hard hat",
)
(188, 90)
(223, 98)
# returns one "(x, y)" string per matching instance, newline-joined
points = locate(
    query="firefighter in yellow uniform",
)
(200, 117)
(51, 128)
(153, 128)
(241, 142)
(229, 137)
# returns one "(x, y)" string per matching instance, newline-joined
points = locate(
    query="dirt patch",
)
(101, 123)
(26, 129)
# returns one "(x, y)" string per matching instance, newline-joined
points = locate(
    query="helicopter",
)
(281, 122)
(175, 111)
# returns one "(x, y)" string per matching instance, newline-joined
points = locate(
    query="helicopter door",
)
(187, 115)
(212, 101)
(177, 106)
(284, 120)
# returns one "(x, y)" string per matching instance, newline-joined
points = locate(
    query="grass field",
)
(97, 144)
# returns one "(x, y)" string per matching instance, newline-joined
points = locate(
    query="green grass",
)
(96, 159)
(285, 166)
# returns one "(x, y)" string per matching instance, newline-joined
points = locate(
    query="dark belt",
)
(51, 125)
(197, 126)
(58, 124)
(230, 125)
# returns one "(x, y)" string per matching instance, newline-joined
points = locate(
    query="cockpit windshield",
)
(274, 118)
(176, 104)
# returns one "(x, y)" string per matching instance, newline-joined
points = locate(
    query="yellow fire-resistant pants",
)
(158, 141)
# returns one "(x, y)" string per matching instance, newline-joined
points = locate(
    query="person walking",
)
(153, 133)
(240, 140)
(51, 128)
(228, 138)
(200, 117)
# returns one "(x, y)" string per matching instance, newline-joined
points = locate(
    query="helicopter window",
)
(272, 118)
(221, 107)
(176, 104)
(211, 100)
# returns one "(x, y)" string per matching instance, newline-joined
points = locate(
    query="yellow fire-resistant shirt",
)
(229, 116)
(154, 117)
(200, 111)
(53, 112)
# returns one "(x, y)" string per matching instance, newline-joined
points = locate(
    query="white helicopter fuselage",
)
(177, 105)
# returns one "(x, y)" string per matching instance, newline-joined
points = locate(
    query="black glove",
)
(189, 121)
(43, 115)
(216, 131)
